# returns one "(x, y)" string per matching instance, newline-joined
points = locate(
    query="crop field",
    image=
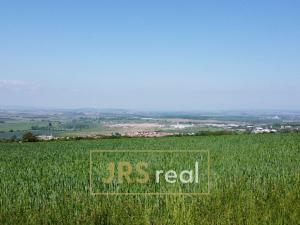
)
(255, 179)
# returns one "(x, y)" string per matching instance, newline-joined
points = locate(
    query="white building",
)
(45, 137)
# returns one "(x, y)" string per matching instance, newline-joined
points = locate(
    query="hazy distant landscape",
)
(95, 123)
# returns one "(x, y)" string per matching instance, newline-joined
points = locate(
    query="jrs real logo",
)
(149, 172)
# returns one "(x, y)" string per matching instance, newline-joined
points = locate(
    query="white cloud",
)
(17, 85)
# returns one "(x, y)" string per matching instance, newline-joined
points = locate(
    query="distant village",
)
(248, 129)
(73, 125)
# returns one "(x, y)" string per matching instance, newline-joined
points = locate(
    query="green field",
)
(255, 179)
(20, 125)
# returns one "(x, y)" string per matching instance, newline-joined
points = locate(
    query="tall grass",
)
(255, 180)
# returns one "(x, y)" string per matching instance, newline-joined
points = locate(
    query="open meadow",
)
(254, 180)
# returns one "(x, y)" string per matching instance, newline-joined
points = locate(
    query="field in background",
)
(94, 123)
(255, 180)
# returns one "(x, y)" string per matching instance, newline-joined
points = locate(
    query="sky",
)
(158, 55)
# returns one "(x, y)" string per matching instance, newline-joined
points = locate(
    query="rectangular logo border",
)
(148, 193)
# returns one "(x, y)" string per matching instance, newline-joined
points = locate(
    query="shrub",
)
(29, 137)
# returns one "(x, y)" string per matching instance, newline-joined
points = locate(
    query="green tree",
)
(29, 137)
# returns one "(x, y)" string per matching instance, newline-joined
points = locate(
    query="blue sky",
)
(170, 55)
